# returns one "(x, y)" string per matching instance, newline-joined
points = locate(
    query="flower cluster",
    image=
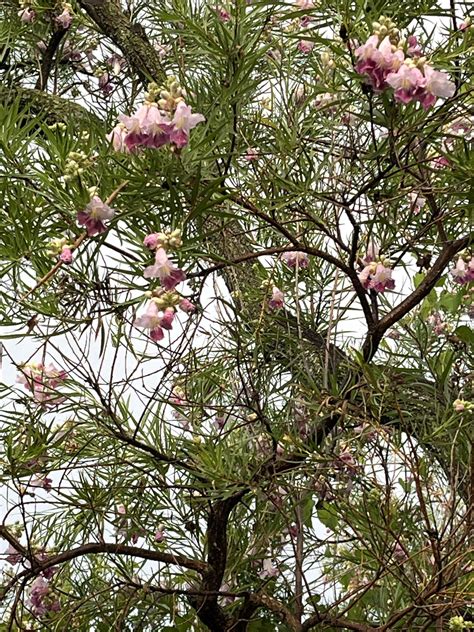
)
(377, 276)
(60, 248)
(462, 406)
(158, 122)
(161, 309)
(41, 597)
(94, 215)
(376, 273)
(463, 271)
(163, 268)
(42, 381)
(295, 259)
(383, 62)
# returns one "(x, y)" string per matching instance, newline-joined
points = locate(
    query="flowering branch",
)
(73, 247)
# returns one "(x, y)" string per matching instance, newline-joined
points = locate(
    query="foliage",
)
(283, 441)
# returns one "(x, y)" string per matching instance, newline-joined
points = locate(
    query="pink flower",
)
(160, 533)
(187, 307)
(45, 483)
(116, 62)
(463, 272)
(268, 569)
(41, 599)
(146, 128)
(414, 49)
(64, 20)
(93, 216)
(437, 85)
(38, 591)
(117, 138)
(376, 60)
(222, 14)
(376, 276)
(406, 82)
(66, 255)
(12, 555)
(295, 259)
(27, 15)
(155, 320)
(305, 46)
(305, 5)
(121, 509)
(152, 240)
(437, 323)
(372, 253)
(42, 381)
(305, 21)
(381, 279)
(167, 318)
(105, 84)
(251, 155)
(165, 270)
(440, 161)
(399, 553)
(277, 300)
(183, 121)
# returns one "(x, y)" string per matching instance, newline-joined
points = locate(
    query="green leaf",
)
(328, 516)
(465, 333)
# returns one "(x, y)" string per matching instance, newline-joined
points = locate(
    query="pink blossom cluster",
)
(463, 271)
(42, 381)
(161, 310)
(385, 66)
(295, 259)
(437, 323)
(94, 215)
(164, 269)
(377, 276)
(62, 249)
(41, 598)
(152, 127)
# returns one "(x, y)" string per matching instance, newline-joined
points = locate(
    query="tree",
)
(236, 292)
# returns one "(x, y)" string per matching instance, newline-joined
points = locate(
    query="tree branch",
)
(130, 38)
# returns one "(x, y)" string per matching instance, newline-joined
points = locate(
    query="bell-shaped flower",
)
(437, 84)
(117, 138)
(42, 381)
(65, 18)
(155, 320)
(407, 83)
(186, 305)
(376, 276)
(268, 570)
(376, 59)
(27, 15)
(164, 270)
(277, 300)
(12, 556)
(93, 216)
(295, 259)
(183, 121)
(463, 272)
